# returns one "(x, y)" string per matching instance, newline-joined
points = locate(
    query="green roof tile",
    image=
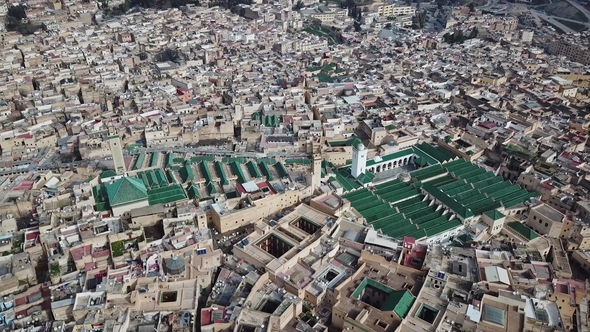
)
(155, 158)
(398, 301)
(108, 173)
(236, 168)
(494, 214)
(126, 190)
(138, 162)
(523, 230)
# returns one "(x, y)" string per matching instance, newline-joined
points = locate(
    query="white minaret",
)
(116, 151)
(359, 159)
(316, 176)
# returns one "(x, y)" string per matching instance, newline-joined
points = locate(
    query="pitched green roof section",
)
(205, 171)
(170, 176)
(126, 190)
(427, 170)
(211, 188)
(398, 301)
(425, 157)
(100, 197)
(266, 171)
(155, 159)
(281, 170)
(437, 153)
(186, 173)
(253, 169)
(107, 173)
(193, 191)
(454, 163)
(138, 162)
(364, 178)
(494, 214)
(441, 228)
(166, 195)
(221, 173)
(160, 177)
(448, 201)
(236, 168)
(523, 230)
(170, 159)
(402, 304)
(346, 180)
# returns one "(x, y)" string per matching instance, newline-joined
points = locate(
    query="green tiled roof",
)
(266, 171)
(281, 170)
(449, 202)
(236, 168)
(154, 159)
(356, 142)
(211, 188)
(494, 214)
(439, 153)
(101, 198)
(167, 194)
(443, 227)
(398, 301)
(221, 173)
(193, 191)
(364, 178)
(108, 173)
(186, 172)
(205, 171)
(170, 159)
(170, 176)
(138, 162)
(253, 169)
(126, 190)
(523, 230)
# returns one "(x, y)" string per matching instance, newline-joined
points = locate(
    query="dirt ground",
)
(565, 10)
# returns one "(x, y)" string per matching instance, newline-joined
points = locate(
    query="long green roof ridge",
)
(139, 162)
(523, 230)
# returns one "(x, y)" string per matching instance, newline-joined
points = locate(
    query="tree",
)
(448, 37)
(14, 21)
(473, 33)
(298, 5)
(471, 7)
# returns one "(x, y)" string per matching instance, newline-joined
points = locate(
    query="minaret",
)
(116, 151)
(359, 158)
(316, 176)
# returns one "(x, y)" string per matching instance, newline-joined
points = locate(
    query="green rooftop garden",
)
(54, 269)
(118, 248)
